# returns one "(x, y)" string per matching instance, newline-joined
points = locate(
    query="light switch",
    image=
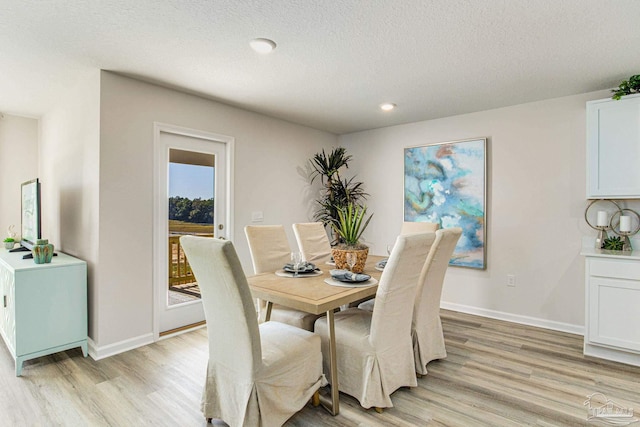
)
(257, 216)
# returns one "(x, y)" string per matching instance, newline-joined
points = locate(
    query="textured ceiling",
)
(336, 60)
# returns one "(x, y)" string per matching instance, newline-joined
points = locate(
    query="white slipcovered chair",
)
(313, 241)
(426, 327)
(418, 227)
(374, 349)
(270, 251)
(257, 375)
(407, 228)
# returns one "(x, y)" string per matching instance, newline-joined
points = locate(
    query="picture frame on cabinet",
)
(446, 183)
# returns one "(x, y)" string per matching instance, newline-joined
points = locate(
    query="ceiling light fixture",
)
(262, 46)
(387, 106)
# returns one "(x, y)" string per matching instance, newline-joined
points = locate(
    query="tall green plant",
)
(339, 192)
(350, 225)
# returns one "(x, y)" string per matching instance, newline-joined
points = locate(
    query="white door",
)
(191, 196)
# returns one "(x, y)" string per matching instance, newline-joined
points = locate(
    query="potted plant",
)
(613, 243)
(349, 227)
(9, 242)
(338, 192)
(627, 87)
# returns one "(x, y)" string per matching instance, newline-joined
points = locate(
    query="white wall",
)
(18, 163)
(69, 169)
(535, 208)
(270, 156)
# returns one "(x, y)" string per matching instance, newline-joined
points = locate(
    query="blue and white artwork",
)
(445, 183)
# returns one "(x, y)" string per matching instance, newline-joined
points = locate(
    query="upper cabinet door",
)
(613, 148)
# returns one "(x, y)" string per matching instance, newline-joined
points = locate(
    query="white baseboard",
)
(617, 355)
(515, 318)
(98, 353)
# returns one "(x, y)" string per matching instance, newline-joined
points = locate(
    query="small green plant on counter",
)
(613, 243)
(627, 87)
(9, 240)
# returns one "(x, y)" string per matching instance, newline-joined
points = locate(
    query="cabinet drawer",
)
(615, 269)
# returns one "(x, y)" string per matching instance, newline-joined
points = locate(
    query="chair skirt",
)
(290, 357)
(365, 372)
(428, 343)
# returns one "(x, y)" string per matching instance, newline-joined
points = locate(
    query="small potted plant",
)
(614, 243)
(349, 227)
(9, 242)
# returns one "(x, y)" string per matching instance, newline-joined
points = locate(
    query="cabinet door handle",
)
(4, 298)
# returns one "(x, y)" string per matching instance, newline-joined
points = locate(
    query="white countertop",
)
(603, 253)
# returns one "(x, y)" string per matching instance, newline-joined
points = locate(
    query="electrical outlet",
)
(511, 280)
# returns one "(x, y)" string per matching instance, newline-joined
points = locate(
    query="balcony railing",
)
(179, 269)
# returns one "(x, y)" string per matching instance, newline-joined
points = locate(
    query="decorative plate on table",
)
(304, 268)
(348, 276)
(314, 273)
(334, 282)
(381, 264)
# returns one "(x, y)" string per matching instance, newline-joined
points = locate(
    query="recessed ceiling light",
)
(262, 45)
(387, 106)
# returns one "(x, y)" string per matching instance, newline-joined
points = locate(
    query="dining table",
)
(312, 294)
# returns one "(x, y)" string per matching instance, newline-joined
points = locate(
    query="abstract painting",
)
(445, 183)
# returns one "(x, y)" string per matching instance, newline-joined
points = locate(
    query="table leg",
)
(335, 392)
(268, 308)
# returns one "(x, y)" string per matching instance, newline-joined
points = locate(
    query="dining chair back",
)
(418, 227)
(426, 328)
(268, 246)
(407, 228)
(374, 349)
(313, 241)
(256, 374)
(270, 251)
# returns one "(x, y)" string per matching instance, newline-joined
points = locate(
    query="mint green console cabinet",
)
(44, 306)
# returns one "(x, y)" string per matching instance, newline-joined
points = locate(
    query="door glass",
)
(191, 198)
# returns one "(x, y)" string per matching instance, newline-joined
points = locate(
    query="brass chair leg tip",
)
(378, 410)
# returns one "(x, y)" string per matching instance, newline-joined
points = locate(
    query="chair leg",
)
(378, 410)
(209, 420)
(315, 399)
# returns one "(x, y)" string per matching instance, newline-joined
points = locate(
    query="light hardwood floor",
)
(496, 374)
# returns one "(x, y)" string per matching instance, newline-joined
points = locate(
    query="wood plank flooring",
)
(496, 374)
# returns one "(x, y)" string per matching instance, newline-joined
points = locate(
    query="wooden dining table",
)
(313, 295)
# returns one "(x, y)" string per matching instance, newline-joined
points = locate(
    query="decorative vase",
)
(9, 245)
(340, 258)
(42, 251)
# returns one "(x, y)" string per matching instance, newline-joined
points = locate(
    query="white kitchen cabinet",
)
(44, 306)
(612, 324)
(613, 148)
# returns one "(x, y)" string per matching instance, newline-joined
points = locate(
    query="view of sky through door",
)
(191, 181)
